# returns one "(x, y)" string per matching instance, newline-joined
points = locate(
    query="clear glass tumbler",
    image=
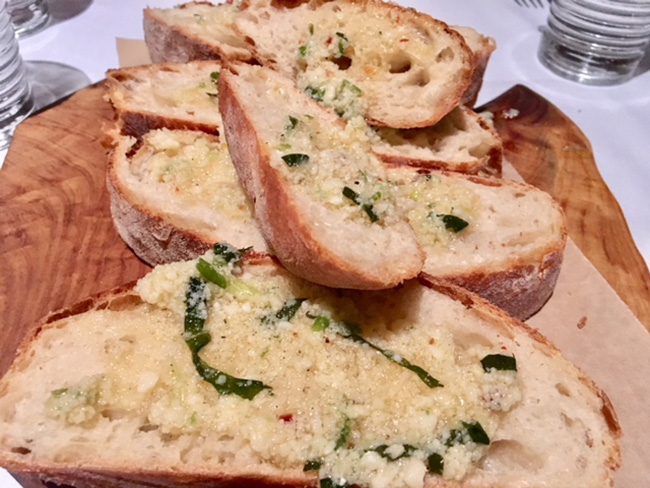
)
(15, 94)
(28, 16)
(596, 42)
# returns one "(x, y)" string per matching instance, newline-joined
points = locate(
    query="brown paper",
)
(590, 324)
(131, 52)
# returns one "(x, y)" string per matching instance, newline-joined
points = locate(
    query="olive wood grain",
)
(58, 245)
(550, 152)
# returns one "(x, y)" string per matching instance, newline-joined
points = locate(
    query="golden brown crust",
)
(171, 44)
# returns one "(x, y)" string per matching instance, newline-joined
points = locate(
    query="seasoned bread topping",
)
(423, 405)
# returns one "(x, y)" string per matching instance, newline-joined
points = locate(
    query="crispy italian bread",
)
(402, 69)
(319, 195)
(267, 380)
(169, 95)
(482, 47)
(195, 30)
(500, 239)
(184, 96)
(176, 194)
(462, 141)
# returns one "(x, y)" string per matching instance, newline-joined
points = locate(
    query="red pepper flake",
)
(327, 341)
(329, 40)
(504, 348)
(404, 40)
(582, 323)
(287, 417)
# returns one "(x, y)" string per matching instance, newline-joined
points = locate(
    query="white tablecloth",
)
(615, 119)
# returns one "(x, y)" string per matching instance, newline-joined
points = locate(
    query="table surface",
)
(616, 119)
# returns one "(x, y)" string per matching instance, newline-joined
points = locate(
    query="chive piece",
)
(343, 44)
(381, 450)
(455, 437)
(426, 378)
(312, 465)
(351, 194)
(346, 85)
(286, 313)
(366, 207)
(435, 463)
(316, 93)
(302, 51)
(211, 274)
(476, 433)
(499, 362)
(230, 254)
(293, 122)
(320, 324)
(453, 223)
(59, 393)
(344, 434)
(330, 483)
(311, 29)
(295, 159)
(196, 313)
(214, 76)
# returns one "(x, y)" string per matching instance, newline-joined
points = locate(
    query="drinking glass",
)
(596, 42)
(15, 94)
(28, 16)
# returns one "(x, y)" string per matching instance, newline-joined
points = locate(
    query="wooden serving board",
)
(58, 244)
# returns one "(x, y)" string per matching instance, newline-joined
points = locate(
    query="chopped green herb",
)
(210, 273)
(311, 29)
(476, 433)
(295, 159)
(214, 76)
(366, 207)
(317, 94)
(196, 314)
(284, 147)
(343, 44)
(230, 254)
(313, 465)
(346, 85)
(293, 122)
(320, 323)
(407, 452)
(499, 362)
(286, 313)
(342, 440)
(302, 51)
(59, 393)
(435, 463)
(212, 95)
(453, 223)
(474, 430)
(330, 483)
(348, 331)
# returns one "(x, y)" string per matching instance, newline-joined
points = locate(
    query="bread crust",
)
(170, 44)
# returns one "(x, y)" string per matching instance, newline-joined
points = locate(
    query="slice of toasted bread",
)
(500, 239)
(462, 141)
(177, 194)
(166, 95)
(482, 47)
(195, 30)
(397, 67)
(273, 381)
(319, 194)
(184, 96)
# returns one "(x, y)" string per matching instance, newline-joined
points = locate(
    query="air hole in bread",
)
(169, 437)
(23, 451)
(399, 63)
(148, 428)
(506, 454)
(113, 413)
(445, 56)
(421, 78)
(562, 389)
(52, 484)
(466, 340)
(343, 62)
